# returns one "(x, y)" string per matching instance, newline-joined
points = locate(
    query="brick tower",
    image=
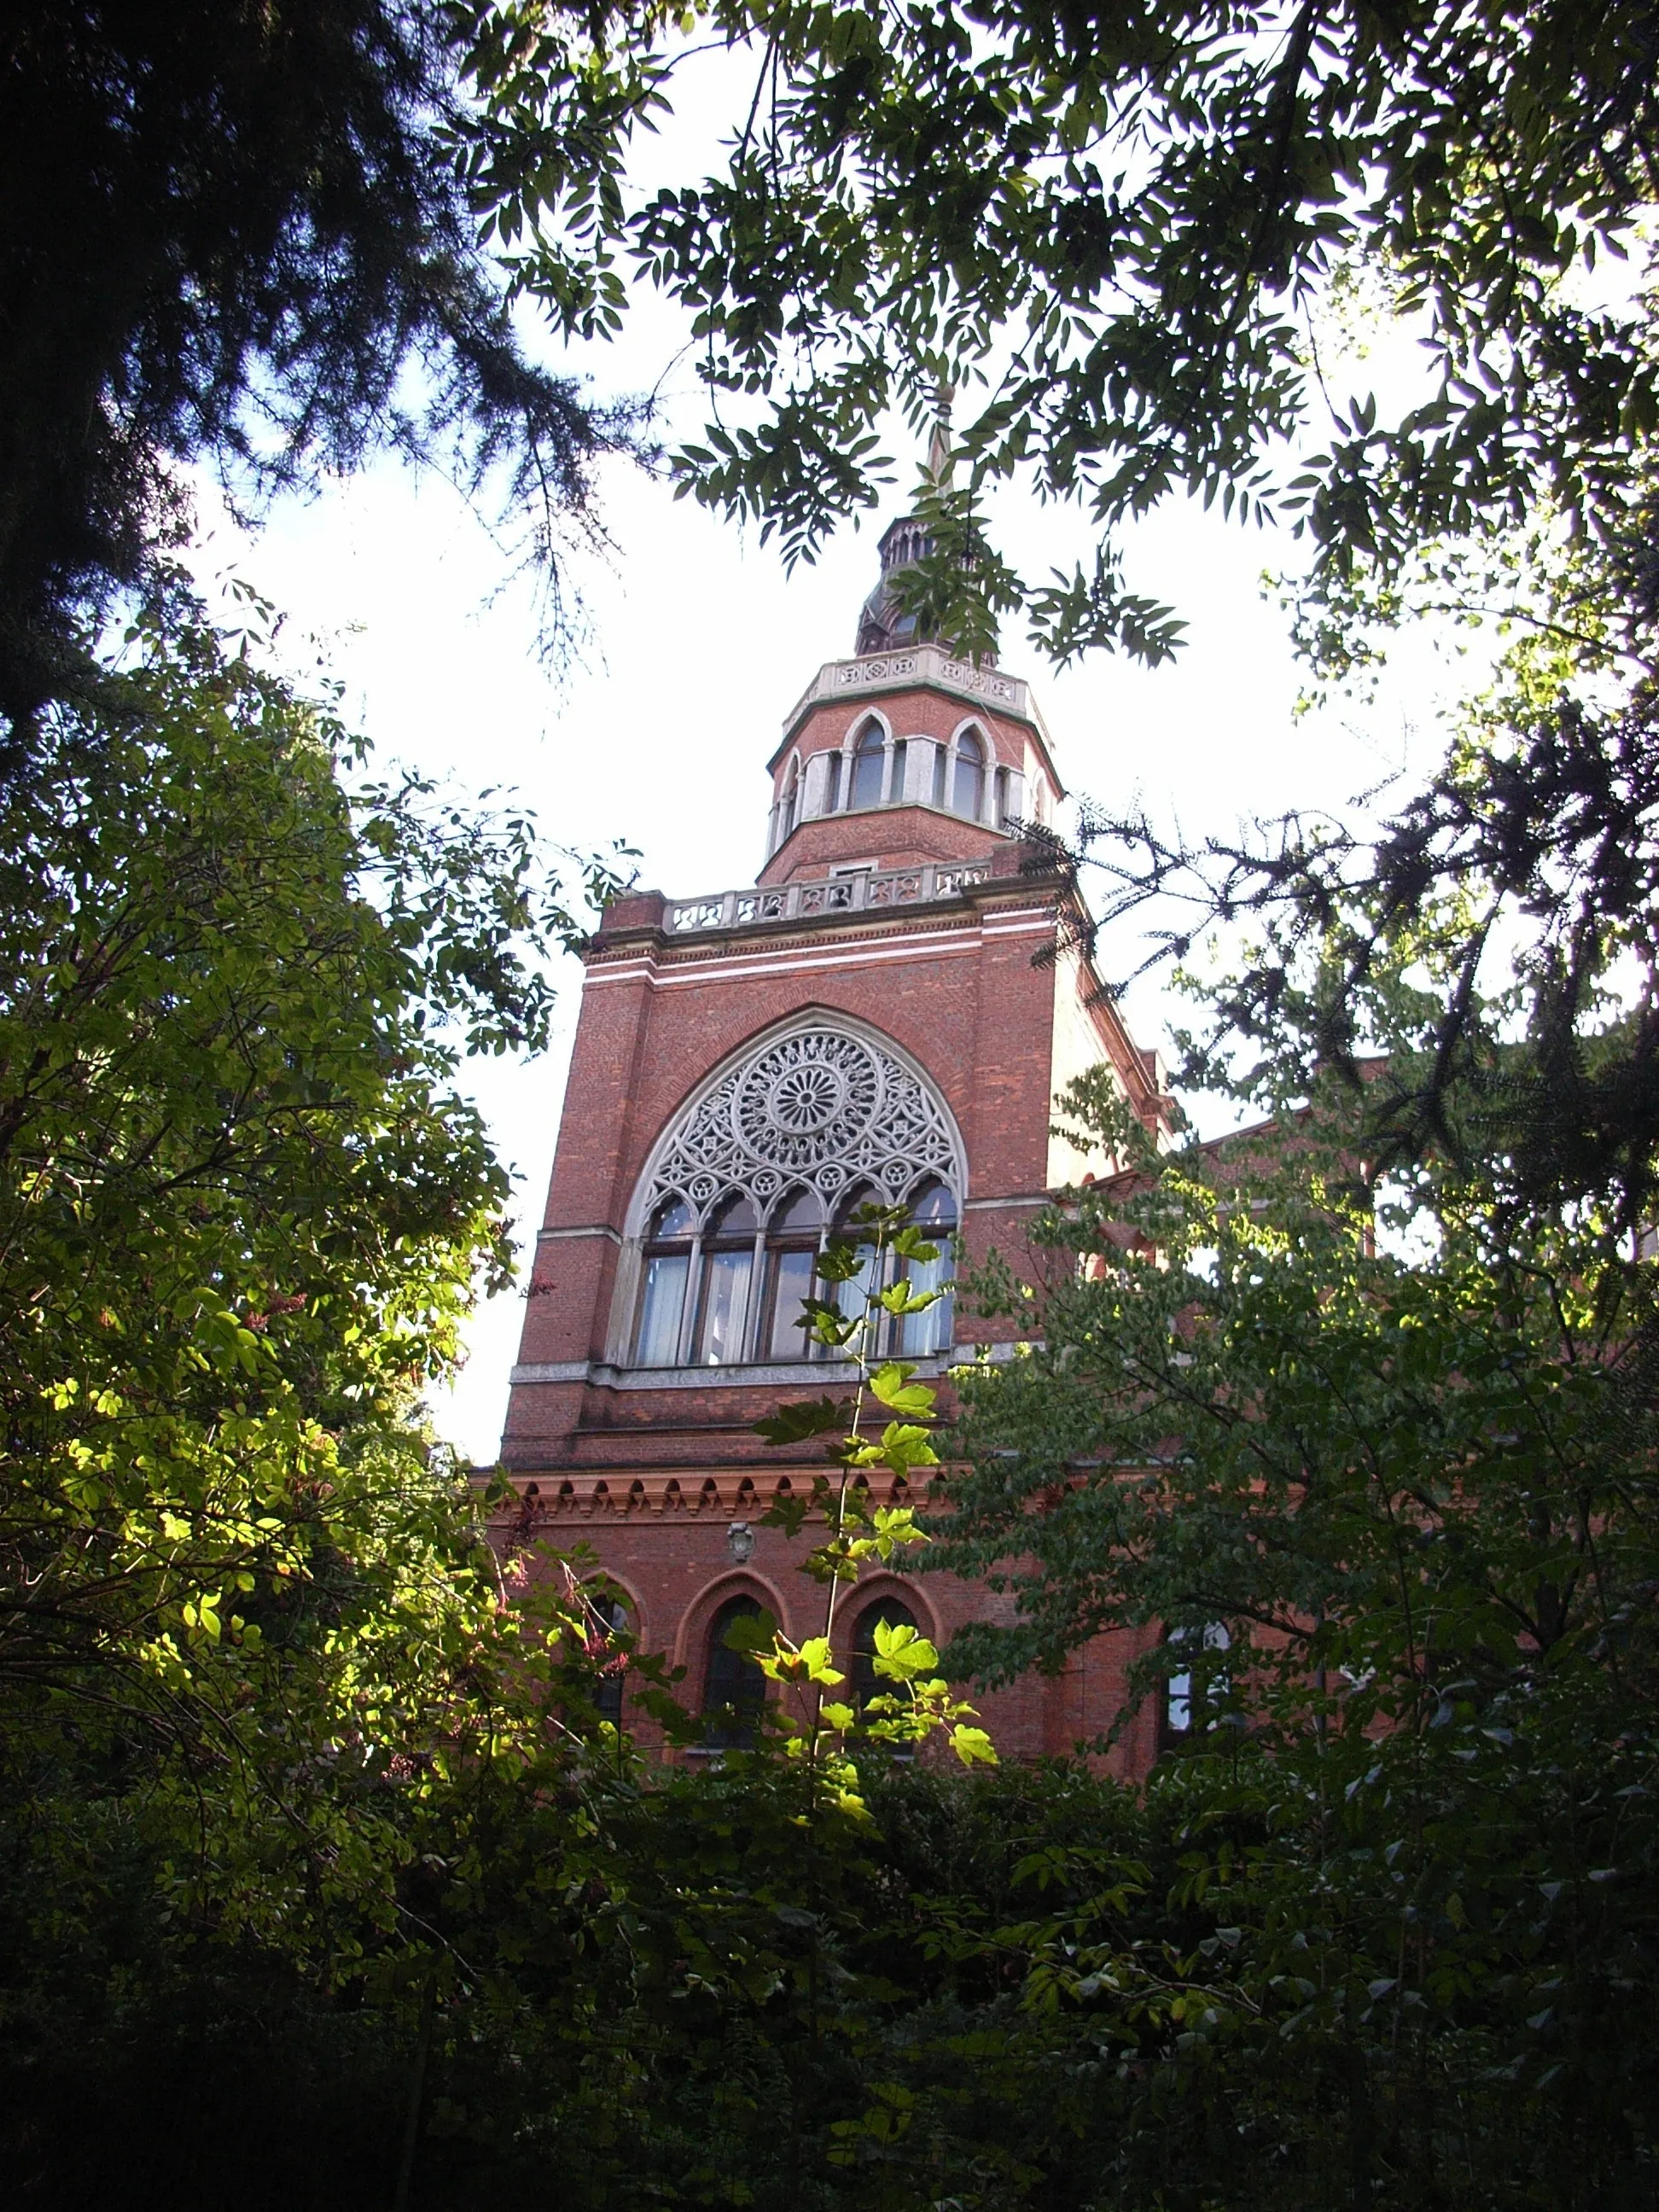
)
(870, 1019)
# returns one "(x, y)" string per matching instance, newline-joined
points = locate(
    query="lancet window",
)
(968, 790)
(869, 765)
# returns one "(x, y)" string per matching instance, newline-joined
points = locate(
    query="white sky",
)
(699, 646)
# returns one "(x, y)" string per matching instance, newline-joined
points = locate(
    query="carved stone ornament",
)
(820, 1110)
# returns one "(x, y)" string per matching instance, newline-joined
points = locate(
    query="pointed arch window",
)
(662, 1293)
(733, 1686)
(810, 1123)
(913, 1336)
(792, 1237)
(934, 1210)
(869, 765)
(968, 790)
(728, 1259)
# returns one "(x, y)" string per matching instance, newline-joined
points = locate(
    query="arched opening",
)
(662, 1293)
(885, 1612)
(728, 1259)
(733, 1686)
(792, 1236)
(934, 1210)
(869, 758)
(968, 793)
(609, 1624)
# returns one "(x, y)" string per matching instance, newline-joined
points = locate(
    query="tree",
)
(1369, 1469)
(242, 1214)
(1127, 240)
(233, 235)
(1107, 231)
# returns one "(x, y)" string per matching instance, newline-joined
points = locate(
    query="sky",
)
(697, 644)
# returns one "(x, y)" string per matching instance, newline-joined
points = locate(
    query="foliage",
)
(822, 1734)
(241, 1215)
(1371, 1470)
(227, 231)
(1112, 232)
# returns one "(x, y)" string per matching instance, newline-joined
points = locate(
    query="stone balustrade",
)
(868, 890)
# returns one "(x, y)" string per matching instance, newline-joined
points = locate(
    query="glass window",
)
(896, 788)
(832, 788)
(733, 1686)
(728, 1255)
(940, 762)
(935, 1210)
(886, 1612)
(791, 795)
(867, 764)
(662, 1298)
(1002, 798)
(969, 796)
(792, 1251)
(854, 1295)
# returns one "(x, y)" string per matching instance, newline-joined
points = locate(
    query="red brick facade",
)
(921, 955)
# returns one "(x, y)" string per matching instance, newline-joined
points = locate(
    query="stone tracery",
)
(821, 1108)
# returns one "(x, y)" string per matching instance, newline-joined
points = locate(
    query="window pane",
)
(799, 1210)
(929, 1330)
(724, 1294)
(969, 796)
(791, 1281)
(660, 1308)
(853, 1297)
(867, 766)
(734, 1689)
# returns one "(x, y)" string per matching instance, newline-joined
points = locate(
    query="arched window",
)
(728, 1260)
(662, 1293)
(895, 786)
(733, 1686)
(968, 796)
(1196, 1689)
(791, 801)
(852, 1295)
(934, 1210)
(792, 1251)
(868, 760)
(885, 1612)
(609, 1621)
(784, 1136)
